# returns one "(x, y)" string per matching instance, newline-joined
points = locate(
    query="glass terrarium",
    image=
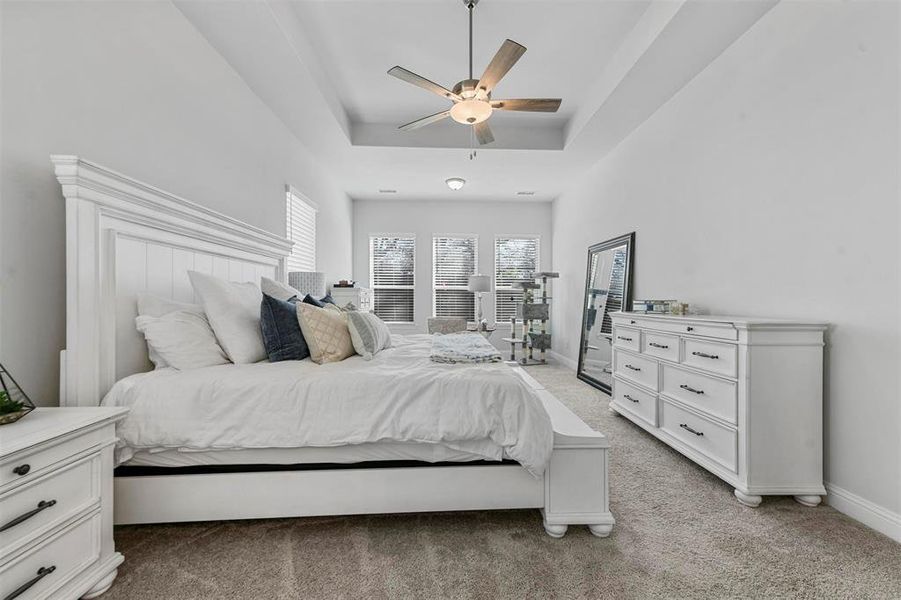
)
(14, 404)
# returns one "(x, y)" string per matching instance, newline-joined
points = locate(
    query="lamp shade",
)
(479, 283)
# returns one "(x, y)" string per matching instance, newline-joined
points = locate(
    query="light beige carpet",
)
(679, 534)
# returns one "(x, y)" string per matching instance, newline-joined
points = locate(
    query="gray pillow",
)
(368, 333)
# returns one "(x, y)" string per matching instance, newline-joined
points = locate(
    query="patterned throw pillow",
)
(325, 332)
(368, 332)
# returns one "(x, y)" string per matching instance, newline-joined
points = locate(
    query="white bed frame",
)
(124, 237)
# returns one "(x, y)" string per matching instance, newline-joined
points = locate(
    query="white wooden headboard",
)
(124, 237)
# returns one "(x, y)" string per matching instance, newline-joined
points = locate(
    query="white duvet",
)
(400, 395)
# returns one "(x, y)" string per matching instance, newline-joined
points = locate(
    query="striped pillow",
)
(368, 332)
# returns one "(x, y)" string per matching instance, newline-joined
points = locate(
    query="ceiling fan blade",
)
(528, 104)
(483, 133)
(502, 62)
(426, 84)
(425, 121)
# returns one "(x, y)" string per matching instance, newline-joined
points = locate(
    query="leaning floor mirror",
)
(608, 288)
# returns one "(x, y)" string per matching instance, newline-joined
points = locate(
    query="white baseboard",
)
(563, 360)
(872, 515)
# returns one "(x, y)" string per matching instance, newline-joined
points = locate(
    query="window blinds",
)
(391, 264)
(515, 258)
(454, 259)
(301, 228)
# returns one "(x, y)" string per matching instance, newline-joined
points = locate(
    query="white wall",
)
(769, 187)
(133, 86)
(425, 219)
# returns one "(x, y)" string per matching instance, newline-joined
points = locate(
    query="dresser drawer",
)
(55, 562)
(30, 510)
(638, 369)
(630, 339)
(708, 394)
(638, 402)
(660, 345)
(30, 465)
(714, 441)
(710, 356)
(712, 329)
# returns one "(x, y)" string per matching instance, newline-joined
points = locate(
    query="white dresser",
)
(56, 511)
(741, 397)
(360, 297)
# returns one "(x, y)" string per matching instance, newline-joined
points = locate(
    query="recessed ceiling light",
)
(387, 191)
(529, 193)
(455, 183)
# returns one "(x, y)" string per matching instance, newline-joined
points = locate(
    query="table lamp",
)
(480, 284)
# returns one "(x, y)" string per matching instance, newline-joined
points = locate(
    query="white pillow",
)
(183, 339)
(369, 334)
(155, 306)
(234, 313)
(279, 290)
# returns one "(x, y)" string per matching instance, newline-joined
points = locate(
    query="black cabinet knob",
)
(22, 469)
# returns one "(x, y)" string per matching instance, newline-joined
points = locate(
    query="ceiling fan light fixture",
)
(470, 112)
(455, 183)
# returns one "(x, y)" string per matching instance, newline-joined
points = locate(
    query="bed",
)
(125, 238)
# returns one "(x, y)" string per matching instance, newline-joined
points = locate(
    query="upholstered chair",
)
(446, 324)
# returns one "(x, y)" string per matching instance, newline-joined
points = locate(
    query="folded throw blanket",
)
(463, 348)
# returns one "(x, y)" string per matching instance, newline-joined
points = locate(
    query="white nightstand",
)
(56, 504)
(360, 297)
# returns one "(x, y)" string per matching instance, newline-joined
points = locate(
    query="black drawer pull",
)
(691, 389)
(42, 572)
(22, 469)
(657, 345)
(687, 428)
(628, 397)
(632, 322)
(705, 355)
(42, 505)
(619, 337)
(689, 328)
(633, 368)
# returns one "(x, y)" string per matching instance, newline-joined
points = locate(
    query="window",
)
(454, 259)
(515, 258)
(301, 228)
(391, 263)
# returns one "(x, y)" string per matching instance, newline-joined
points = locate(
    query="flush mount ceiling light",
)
(472, 97)
(455, 183)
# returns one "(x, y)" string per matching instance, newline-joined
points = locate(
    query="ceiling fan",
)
(472, 100)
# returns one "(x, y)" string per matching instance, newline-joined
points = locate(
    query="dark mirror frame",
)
(629, 241)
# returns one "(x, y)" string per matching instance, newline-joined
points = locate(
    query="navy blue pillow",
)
(311, 300)
(327, 299)
(281, 331)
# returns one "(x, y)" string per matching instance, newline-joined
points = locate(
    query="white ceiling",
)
(359, 40)
(321, 66)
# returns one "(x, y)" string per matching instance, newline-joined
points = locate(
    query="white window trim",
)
(497, 288)
(472, 236)
(395, 287)
(293, 192)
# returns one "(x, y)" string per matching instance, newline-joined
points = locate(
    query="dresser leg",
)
(101, 586)
(601, 531)
(555, 531)
(748, 499)
(809, 500)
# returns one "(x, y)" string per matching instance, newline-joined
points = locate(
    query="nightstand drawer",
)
(713, 396)
(26, 466)
(31, 510)
(638, 402)
(714, 441)
(627, 338)
(49, 566)
(642, 371)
